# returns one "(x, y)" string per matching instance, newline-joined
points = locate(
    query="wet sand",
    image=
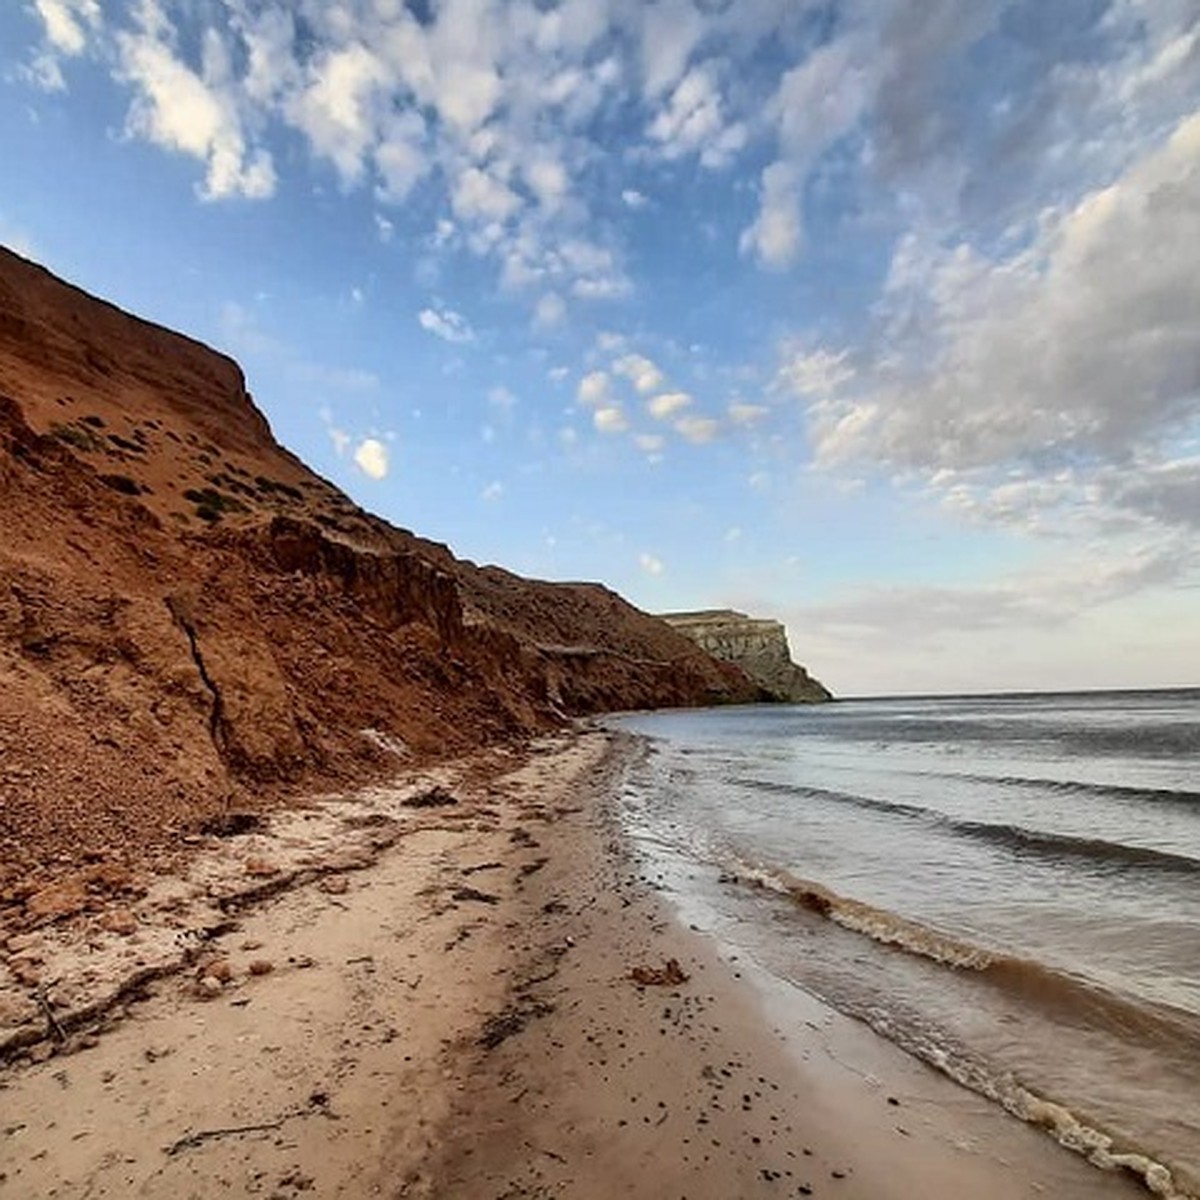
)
(438, 1002)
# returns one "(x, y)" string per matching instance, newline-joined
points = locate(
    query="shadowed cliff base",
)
(194, 623)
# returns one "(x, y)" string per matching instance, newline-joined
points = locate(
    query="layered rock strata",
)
(191, 620)
(759, 646)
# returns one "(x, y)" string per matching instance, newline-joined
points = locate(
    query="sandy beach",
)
(460, 986)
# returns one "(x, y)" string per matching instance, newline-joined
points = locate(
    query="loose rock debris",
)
(435, 797)
(670, 974)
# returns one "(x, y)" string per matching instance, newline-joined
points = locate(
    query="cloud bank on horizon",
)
(905, 293)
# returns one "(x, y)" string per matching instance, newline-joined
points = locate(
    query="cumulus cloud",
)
(479, 195)
(447, 324)
(372, 458)
(741, 413)
(593, 388)
(819, 373)
(649, 443)
(334, 106)
(499, 114)
(650, 564)
(776, 234)
(193, 112)
(671, 30)
(640, 371)
(693, 123)
(610, 419)
(697, 430)
(668, 404)
(69, 23)
(492, 492)
(1083, 343)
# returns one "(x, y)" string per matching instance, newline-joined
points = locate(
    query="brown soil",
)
(193, 624)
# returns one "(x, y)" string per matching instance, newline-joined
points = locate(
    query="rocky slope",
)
(191, 620)
(756, 645)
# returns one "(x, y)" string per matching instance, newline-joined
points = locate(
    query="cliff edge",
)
(192, 621)
(759, 646)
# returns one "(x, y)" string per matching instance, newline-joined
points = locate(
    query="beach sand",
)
(374, 999)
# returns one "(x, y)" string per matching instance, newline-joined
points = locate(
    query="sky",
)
(880, 317)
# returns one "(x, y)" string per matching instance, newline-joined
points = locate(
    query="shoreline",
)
(447, 1010)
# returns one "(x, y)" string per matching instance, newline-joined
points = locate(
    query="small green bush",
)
(73, 435)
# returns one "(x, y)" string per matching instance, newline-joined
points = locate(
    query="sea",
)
(1008, 887)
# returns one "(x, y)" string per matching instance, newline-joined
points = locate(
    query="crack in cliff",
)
(216, 715)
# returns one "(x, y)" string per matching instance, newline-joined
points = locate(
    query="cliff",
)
(191, 619)
(756, 645)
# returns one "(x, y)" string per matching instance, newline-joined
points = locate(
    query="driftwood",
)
(53, 1027)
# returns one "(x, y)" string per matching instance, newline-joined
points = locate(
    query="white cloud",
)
(1036, 627)
(340, 439)
(189, 112)
(477, 195)
(69, 22)
(547, 179)
(776, 235)
(446, 324)
(500, 397)
(550, 310)
(650, 564)
(741, 413)
(384, 228)
(671, 30)
(597, 273)
(649, 443)
(504, 107)
(610, 419)
(336, 106)
(668, 404)
(818, 373)
(697, 429)
(640, 371)
(693, 122)
(492, 492)
(372, 458)
(400, 157)
(593, 388)
(1080, 346)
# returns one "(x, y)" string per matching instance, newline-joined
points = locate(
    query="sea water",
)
(1006, 886)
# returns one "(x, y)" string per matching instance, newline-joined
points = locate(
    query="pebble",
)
(209, 986)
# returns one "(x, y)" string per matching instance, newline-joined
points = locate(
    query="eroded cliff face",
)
(757, 645)
(191, 619)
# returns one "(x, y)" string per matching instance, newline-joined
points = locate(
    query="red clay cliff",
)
(192, 621)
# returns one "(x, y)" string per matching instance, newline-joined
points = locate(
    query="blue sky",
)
(880, 317)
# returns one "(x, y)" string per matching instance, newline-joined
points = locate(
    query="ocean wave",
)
(1067, 998)
(1081, 787)
(1015, 837)
(1073, 1130)
(1060, 845)
(1064, 998)
(857, 799)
